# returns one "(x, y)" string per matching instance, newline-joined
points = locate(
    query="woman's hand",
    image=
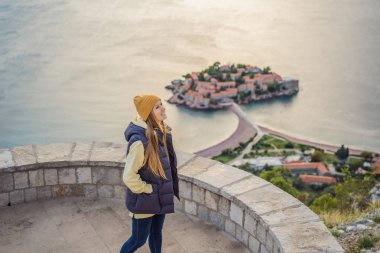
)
(168, 129)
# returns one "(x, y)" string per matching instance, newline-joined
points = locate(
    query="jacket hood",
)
(136, 126)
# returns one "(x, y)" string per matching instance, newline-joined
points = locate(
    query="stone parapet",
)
(255, 212)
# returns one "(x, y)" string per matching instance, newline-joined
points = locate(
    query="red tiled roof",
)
(243, 86)
(204, 83)
(267, 78)
(225, 83)
(191, 92)
(232, 89)
(194, 75)
(198, 97)
(317, 179)
(292, 162)
(319, 166)
(185, 86)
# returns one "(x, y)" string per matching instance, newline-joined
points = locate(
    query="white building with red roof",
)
(201, 101)
(267, 78)
(230, 84)
(314, 168)
(204, 84)
(184, 87)
(235, 76)
(190, 95)
(246, 87)
(254, 69)
(318, 180)
(188, 81)
(248, 80)
(230, 92)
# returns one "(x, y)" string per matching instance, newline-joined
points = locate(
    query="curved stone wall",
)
(257, 213)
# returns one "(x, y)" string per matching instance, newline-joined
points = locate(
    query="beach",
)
(323, 146)
(244, 131)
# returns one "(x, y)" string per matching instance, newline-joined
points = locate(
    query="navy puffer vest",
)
(161, 200)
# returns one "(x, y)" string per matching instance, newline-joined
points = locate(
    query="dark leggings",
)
(141, 229)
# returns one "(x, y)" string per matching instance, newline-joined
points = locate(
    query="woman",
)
(150, 174)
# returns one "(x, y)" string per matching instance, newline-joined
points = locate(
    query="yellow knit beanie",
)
(144, 104)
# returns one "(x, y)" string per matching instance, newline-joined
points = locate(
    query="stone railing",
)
(257, 213)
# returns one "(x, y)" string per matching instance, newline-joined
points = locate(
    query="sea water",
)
(69, 68)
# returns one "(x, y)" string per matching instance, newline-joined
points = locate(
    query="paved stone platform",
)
(83, 225)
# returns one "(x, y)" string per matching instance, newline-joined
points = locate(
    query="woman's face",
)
(159, 111)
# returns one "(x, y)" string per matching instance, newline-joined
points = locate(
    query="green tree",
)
(201, 77)
(239, 80)
(219, 76)
(342, 153)
(343, 199)
(245, 166)
(228, 77)
(216, 64)
(272, 87)
(355, 164)
(346, 197)
(317, 156)
(366, 155)
(277, 177)
(267, 70)
(298, 184)
(227, 152)
(289, 145)
(233, 69)
(259, 91)
(324, 203)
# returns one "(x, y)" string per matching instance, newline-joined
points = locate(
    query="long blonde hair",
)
(151, 156)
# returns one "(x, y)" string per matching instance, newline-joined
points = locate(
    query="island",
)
(217, 86)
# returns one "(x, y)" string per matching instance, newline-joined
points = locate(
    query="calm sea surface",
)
(69, 69)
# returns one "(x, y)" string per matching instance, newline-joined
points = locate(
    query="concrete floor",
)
(82, 225)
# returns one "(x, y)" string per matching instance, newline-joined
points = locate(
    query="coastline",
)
(247, 129)
(323, 146)
(244, 131)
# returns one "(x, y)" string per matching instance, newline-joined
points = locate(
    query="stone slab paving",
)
(83, 225)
